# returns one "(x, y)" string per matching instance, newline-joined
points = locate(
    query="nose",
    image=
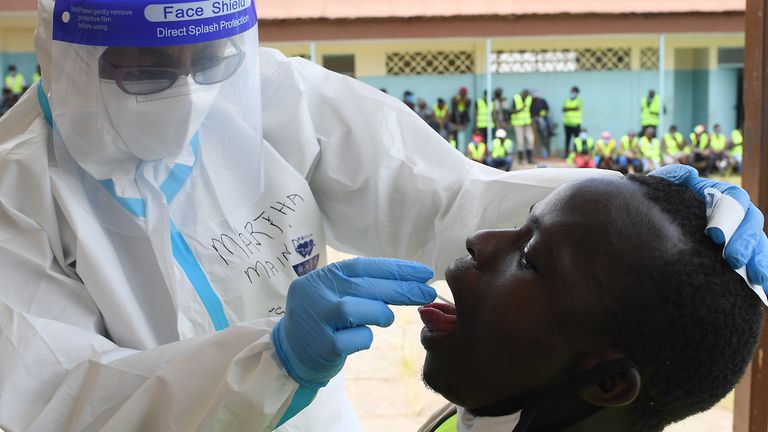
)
(489, 245)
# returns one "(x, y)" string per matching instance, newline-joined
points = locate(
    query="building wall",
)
(17, 44)
(697, 89)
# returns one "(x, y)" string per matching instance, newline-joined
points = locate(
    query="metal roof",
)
(366, 9)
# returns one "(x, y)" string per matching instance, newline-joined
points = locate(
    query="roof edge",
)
(500, 16)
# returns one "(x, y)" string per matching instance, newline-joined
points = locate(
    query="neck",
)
(607, 419)
(575, 415)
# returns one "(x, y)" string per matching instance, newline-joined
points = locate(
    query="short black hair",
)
(574, 88)
(689, 322)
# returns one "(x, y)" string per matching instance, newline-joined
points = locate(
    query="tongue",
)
(438, 317)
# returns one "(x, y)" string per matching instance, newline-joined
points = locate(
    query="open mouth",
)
(438, 317)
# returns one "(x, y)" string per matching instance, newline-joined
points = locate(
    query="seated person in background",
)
(650, 149)
(701, 153)
(629, 154)
(583, 152)
(476, 149)
(735, 149)
(501, 151)
(452, 141)
(605, 150)
(440, 111)
(675, 149)
(718, 143)
(559, 326)
(426, 114)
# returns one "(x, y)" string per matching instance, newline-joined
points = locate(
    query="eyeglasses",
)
(205, 69)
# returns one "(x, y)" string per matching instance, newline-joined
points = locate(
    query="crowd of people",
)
(14, 85)
(524, 123)
(707, 151)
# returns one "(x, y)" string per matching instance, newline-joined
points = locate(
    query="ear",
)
(617, 390)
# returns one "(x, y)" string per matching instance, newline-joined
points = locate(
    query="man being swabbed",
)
(609, 310)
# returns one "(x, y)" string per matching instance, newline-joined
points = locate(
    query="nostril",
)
(469, 244)
(472, 253)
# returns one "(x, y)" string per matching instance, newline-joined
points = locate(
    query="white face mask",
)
(158, 126)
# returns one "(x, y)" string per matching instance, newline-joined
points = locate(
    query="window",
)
(429, 62)
(343, 64)
(649, 58)
(730, 57)
(566, 60)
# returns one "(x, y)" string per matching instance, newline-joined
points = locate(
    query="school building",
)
(613, 51)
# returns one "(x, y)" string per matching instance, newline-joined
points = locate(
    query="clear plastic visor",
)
(145, 133)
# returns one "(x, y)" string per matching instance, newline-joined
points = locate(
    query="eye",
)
(523, 259)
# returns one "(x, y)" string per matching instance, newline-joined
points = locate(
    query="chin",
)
(440, 379)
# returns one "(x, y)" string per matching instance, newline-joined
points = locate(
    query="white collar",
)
(466, 422)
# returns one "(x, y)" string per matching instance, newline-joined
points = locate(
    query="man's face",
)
(529, 301)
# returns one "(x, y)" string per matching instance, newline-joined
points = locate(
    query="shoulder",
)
(24, 134)
(283, 79)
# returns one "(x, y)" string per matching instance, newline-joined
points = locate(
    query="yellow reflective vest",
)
(738, 141)
(522, 117)
(573, 118)
(717, 142)
(500, 149)
(605, 148)
(15, 83)
(650, 111)
(440, 114)
(453, 143)
(628, 145)
(674, 144)
(476, 152)
(699, 142)
(650, 148)
(483, 114)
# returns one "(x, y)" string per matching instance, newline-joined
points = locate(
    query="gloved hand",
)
(328, 309)
(749, 245)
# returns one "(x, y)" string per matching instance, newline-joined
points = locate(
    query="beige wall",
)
(17, 31)
(370, 55)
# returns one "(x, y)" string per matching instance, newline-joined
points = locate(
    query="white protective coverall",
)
(94, 335)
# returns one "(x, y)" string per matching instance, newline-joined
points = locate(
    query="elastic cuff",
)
(280, 351)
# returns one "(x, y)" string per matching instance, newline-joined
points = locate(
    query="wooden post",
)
(751, 404)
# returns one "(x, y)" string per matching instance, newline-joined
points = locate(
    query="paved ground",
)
(384, 383)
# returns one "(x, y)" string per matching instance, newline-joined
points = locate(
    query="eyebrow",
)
(530, 210)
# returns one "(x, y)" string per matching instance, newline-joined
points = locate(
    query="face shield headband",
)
(529, 405)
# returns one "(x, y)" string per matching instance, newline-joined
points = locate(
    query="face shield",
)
(148, 96)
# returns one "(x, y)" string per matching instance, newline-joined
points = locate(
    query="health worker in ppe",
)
(151, 229)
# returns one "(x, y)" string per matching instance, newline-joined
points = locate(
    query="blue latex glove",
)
(327, 312)
(749, 245)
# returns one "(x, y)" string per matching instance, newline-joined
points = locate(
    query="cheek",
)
(512, 342)
(515, 308)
